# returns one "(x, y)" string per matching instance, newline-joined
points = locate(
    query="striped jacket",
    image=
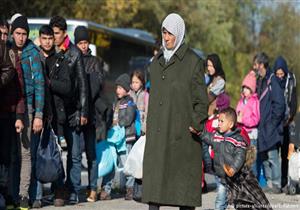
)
(230, 148)
(33, 79)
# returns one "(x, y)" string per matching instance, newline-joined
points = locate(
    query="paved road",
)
(279, 202)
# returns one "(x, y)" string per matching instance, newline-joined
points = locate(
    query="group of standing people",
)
(52, 84)
(58, 84)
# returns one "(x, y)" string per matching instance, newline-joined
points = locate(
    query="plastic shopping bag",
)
(134, 163)
(106, 158)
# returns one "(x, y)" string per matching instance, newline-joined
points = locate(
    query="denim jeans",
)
(108, 179)
(272, 168)
(89, 133)
(221, 198)
(73, 159)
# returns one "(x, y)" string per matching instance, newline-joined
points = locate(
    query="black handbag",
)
(49, 166)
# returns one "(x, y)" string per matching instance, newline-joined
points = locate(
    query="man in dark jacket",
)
(270, 129)
(287, 81)
(93, 69)
(76, 104)
(11, 114)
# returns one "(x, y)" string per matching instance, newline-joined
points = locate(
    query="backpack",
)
(138, 124)
(49, 166)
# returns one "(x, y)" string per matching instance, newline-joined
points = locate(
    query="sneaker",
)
(104, 196)
(92, 196)
(129, 194)
(37, 204)
(73, 199)
(24, 203)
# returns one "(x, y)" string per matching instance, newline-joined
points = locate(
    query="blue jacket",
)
(34, 83)
(272, 109)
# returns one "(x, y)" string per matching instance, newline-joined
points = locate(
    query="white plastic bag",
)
(134, 163)
(294, 166)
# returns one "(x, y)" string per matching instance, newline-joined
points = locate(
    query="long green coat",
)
(172, 160)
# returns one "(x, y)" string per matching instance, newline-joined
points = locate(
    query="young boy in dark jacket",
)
(232, 163)
(124, 116)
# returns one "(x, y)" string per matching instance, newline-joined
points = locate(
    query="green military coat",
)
(172, 160)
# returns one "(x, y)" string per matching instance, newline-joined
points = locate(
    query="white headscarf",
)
(174, 24)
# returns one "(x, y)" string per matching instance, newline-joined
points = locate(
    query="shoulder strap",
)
(268, 88)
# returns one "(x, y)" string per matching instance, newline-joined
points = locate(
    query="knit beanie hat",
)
(223, 101)
(20, 22)
(124, 81)
(81, 33)
(250, 81)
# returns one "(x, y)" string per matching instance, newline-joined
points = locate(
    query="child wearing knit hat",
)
(248, 109)
(124, 116)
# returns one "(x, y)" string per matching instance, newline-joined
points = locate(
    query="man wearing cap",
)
(93, 69)
(34, 98)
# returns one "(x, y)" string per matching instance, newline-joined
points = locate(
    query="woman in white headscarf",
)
(177, 110)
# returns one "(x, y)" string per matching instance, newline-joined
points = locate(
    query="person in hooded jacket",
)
(287, 81)
(177, 112)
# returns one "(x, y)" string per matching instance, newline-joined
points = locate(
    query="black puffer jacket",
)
(229, 148)
(78, 100)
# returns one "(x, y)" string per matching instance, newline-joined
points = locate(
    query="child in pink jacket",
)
(248, 109)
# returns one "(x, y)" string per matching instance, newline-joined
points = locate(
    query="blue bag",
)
(138, 124)
(116, 136)
(49, 166)
(106, 158)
